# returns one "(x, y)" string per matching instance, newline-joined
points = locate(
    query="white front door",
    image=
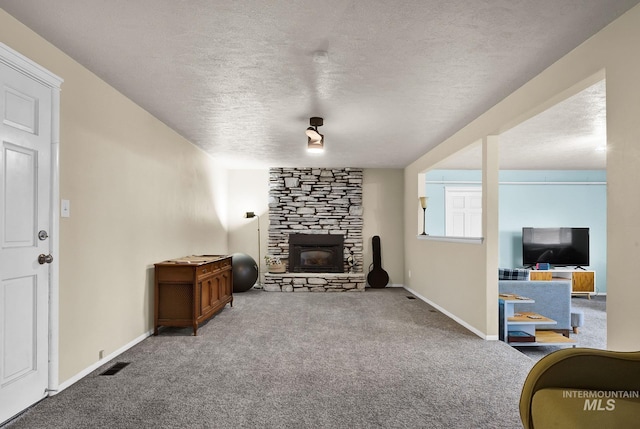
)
(25, 192)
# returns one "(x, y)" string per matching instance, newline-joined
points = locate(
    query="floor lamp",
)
(250, 215)
(423, 204)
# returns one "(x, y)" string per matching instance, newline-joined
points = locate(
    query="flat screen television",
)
(557, 246)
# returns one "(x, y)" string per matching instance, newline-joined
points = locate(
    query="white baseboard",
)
(79, 376)
(389, 285)
(454, 317)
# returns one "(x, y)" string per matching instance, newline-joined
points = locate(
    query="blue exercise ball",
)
(245, 272)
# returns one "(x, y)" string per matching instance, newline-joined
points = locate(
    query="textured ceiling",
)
(241, 78)
(572, 135)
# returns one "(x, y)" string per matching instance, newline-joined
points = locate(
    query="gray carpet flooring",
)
(303, 360)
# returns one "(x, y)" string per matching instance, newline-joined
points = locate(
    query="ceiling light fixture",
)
(315, 140)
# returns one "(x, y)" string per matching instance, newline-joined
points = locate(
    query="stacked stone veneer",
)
(315, 282)
(316, 201)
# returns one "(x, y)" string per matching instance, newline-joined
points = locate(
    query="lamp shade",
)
(423, 202)
(313, 134)
(315, 146)
(315, 140)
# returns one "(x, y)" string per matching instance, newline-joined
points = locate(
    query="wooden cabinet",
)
(582, 282)
(190, 290)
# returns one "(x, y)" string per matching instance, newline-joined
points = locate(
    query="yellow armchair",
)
(582, 388)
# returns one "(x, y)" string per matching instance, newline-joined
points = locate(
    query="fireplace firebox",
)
(316, 253)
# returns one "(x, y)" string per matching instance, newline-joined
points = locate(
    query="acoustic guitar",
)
(377, 277)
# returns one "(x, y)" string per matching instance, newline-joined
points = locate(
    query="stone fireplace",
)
(315, 225)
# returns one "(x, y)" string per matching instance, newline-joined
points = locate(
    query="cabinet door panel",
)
(206, 294)
(226, 284)
(583, 282)
(215, 291)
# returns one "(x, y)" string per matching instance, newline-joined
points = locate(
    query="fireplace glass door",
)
(316, 253)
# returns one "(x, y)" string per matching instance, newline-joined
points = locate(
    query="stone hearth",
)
(315, 282)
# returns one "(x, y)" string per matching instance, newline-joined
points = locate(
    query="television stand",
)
(583, 282)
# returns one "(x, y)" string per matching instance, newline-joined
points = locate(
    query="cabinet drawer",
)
(174, 274)
(214, 267)
(204, 271)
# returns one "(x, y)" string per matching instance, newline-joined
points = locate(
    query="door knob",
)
(45, 259)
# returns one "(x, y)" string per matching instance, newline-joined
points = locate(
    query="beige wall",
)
(614, 51)
(249, 192)
(139, 194)
(383, 216)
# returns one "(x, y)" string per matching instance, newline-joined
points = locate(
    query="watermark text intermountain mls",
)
(600, 400)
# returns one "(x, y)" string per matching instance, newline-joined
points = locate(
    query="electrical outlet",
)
(101, 354)
(409, 273)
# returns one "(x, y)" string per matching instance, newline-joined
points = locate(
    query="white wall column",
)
(490, 228)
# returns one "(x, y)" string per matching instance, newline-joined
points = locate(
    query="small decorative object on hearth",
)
(351, 261)
(423, 204)
(274, 264)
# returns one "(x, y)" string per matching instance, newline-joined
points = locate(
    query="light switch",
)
(65, 208)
